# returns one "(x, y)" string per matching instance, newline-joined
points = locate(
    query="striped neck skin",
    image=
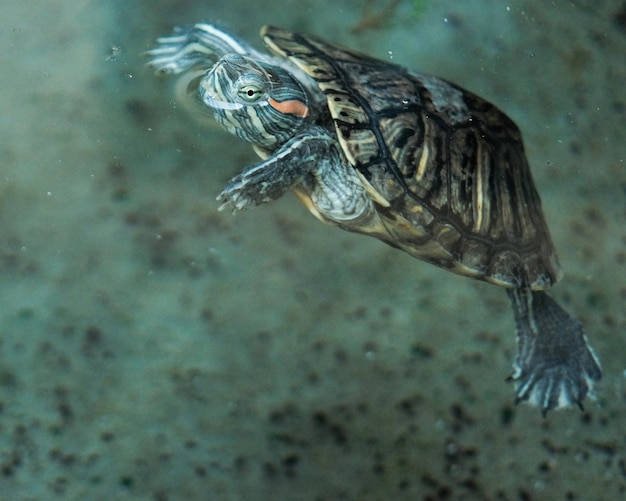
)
(258, 102)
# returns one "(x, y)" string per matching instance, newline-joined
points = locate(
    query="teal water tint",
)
(153, 348)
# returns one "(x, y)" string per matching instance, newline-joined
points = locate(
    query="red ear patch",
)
(293, 107)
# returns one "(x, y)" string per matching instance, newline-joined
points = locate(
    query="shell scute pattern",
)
(423, 151)
(345, 110)
(438, 162)
(404, 137)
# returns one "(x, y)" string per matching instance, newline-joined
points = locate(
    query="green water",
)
(153, 348)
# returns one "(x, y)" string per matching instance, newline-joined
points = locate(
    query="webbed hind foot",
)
(555, 366)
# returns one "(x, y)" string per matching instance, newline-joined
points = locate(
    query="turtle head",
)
(261, 103)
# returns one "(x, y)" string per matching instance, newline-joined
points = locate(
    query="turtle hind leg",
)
(555, 366)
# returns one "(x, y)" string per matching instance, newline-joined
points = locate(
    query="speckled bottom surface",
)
(153, 348)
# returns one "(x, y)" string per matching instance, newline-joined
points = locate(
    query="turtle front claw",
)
(555, 366)
(172, 54)
(242, 192)
(234, 197)
(254, 186)
(268, 180)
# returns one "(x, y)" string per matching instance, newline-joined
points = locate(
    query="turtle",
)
(411, 159)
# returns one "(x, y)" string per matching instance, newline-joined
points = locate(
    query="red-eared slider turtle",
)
(411, 159)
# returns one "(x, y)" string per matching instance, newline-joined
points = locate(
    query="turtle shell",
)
(445, 168)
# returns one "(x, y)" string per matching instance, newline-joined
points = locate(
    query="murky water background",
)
(152, 348)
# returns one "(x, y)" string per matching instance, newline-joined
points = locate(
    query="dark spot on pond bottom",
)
(619, 18)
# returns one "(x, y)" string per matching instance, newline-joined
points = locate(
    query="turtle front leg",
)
(200, 45)
(555, 366)
(272, 178)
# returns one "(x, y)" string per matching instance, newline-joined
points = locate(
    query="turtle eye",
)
(250, 93)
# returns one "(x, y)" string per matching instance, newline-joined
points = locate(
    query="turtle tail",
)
(555, 366)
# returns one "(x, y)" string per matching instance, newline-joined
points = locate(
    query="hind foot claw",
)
(555, 366)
